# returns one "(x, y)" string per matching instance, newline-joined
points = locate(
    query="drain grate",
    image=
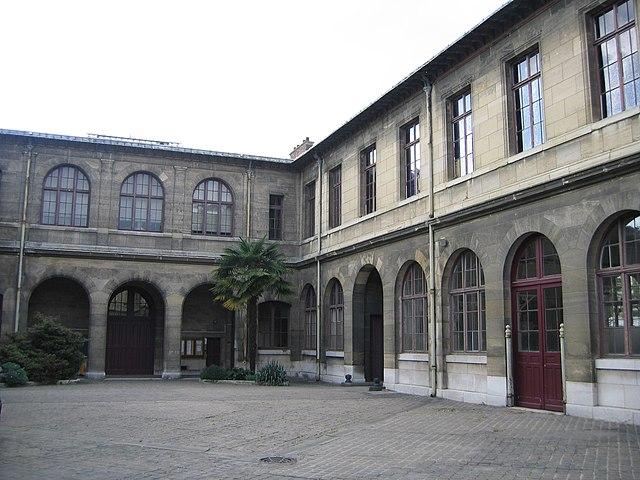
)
(278, 460)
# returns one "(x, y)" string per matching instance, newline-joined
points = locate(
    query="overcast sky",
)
(251, 76)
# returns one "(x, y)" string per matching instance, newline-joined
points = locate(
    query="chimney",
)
(299, 150)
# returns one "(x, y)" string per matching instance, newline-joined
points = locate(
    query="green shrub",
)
(238, 373)
(13, 374)
(272, 374)
(48, 350)
(214, 372)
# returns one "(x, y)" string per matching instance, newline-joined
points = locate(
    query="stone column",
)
(389, 331)
(496, 316)
(97, 336)
(172, 336)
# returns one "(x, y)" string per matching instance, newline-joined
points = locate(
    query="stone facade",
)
(570, 189)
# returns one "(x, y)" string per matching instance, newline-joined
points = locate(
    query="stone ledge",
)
(466, 358)
(618, 364)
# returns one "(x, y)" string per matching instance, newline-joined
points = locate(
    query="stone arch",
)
(367, 323)
(207, 331)
(64, 299)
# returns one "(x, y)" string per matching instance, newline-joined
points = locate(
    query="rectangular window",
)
(275, 217)
(616, 50)
(193, 347)
(335, 197)
(461, 135)
(368, 179)
(527, 109)
(310, 209)
(411, 158)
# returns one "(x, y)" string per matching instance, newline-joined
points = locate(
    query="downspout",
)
(433, 367)
(248, 199)
(23, 233)
(318, 277)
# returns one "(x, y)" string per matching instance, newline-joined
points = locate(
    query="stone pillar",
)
(496, 317)
(97, 336)
(172, 336)
(389, 331)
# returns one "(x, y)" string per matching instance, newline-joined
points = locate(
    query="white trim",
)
(618, 364)
(413, 357)
(334, 353)
(274, 352)
(466, 358)
(310, 353)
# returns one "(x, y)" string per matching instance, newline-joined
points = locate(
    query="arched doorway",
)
(368, 332)
(207, 332)
(63, 299)
(536, 289)
(131, 332)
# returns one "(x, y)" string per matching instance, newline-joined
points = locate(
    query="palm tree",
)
(244, 274)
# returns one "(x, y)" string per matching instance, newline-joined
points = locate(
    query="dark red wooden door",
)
(213, 351)
(538, 377)
(130, 335)
(537, 307)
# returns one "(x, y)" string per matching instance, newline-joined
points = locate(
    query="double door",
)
(536, 328)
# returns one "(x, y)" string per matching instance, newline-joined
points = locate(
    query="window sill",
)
(274, 352)
(67, 228)
(413, 357)
(618, 364)
(334, 354)
(309, 353)
(466, 358)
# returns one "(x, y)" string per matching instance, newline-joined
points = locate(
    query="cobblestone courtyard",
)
(189, 430)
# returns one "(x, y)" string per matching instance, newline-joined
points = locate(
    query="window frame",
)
(194, 347)
(310, 209)
(74, 191)
(624, 270)
(276, 223)
(512, 87)
(310, 317)
(273, 307)
(368, 204)
(411, 299)
(406, 152)
(464, 291)
(219, 203)
(594, 58)
(133, 203)
(335, 196)
(451, 120)
(335, 311)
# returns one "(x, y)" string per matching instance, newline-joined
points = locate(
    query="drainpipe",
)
(433, 367)
(249, 175)
(23, 233)
(318, 277)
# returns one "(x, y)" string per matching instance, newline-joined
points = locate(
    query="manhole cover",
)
(278, 460)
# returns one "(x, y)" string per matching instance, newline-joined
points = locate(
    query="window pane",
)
(552, 318)
(632, 241)
(550, 258)
(527, 261)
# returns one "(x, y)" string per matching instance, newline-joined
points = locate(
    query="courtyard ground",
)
(191, 430)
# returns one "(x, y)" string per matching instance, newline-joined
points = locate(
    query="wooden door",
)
(130, 335)
(213, 351)
(375, 361)
(537, 307)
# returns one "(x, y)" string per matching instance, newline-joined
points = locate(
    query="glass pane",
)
(610, 254)
(527, 315)
(527, 261)
(553, 318)
(632, 241)
(550, 259)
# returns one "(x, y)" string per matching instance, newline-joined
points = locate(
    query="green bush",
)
(214, 372)
(272, 374)
(48, 350)
(13, 375)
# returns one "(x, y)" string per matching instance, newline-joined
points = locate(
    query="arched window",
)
(466, 300)
(65, 198)
(414, 310)
(335, 320)
(310, 316)
(141, 203)
(619, 284)
(273, 325)
(212, 211)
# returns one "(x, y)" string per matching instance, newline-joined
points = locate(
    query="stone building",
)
(438, 240)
